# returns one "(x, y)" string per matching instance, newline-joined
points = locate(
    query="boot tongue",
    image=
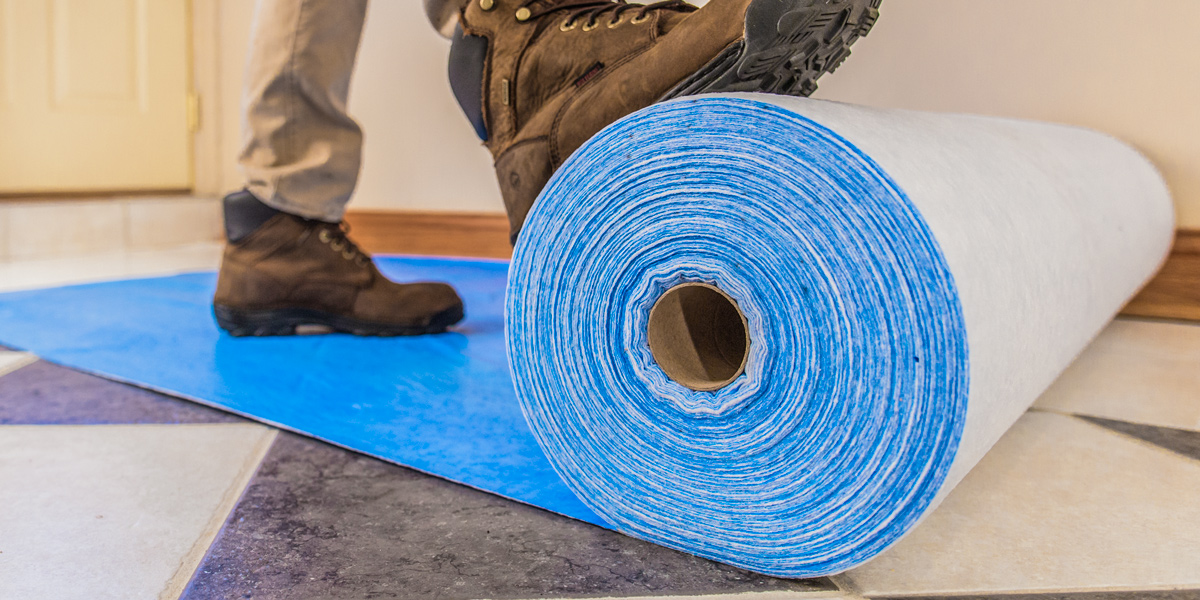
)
(468, 55)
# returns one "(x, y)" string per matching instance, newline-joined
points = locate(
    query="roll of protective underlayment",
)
(777, 332)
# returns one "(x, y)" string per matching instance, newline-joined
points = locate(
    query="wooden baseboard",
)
(1173, 294)
(483, 235)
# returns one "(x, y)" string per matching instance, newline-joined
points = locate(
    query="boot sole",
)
(303, 321)
(788, 45)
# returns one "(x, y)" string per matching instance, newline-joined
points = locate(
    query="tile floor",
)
(112, 491)
(57, 228)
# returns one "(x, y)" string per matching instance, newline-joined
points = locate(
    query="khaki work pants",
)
(301, 150)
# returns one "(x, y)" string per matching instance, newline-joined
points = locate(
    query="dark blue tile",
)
(46, 394)
(320, 522)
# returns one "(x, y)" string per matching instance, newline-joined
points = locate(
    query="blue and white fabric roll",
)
(907, 284)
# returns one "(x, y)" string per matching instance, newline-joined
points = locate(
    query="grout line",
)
(1051, 411)
(233, 495)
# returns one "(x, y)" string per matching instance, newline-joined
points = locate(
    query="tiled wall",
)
(54, 228)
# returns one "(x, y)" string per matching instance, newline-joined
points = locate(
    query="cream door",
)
(94, 95)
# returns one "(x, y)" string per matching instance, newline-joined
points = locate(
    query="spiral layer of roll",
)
(840, 431)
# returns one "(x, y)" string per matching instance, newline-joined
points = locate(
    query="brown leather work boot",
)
(537, 78)
(290, 276)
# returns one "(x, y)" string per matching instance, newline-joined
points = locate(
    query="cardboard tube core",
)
(698, 336)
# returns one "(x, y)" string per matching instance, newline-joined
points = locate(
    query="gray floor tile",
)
(321, 522)
(46, 394)
(1179, 441)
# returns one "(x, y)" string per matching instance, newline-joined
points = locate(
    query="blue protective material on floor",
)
(832, 444)
(441, 404)
(840, 433)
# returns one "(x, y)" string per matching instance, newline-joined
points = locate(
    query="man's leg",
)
(301, 149)
(289, 267)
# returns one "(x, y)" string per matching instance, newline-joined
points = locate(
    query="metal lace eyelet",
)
(590, 26)
(324, 236)
(361, 261)
(337, 246)
(348, 255)
(639, 19)
(615, 23)
(523, 14)
(567, 25)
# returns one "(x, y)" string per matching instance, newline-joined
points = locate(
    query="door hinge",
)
(193, 112)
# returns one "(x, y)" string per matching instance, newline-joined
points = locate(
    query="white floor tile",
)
(32, 274)
(63, 228)
(1058, 504)
(116, 511)
(11, 361)
(172, 221)
(1139, 371)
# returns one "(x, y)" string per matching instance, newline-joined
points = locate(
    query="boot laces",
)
(338, 240)
(593, 9)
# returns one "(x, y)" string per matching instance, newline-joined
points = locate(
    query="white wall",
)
(421, 152)
(1128, 67)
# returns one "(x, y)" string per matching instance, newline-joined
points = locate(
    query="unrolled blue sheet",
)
(441, 404)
